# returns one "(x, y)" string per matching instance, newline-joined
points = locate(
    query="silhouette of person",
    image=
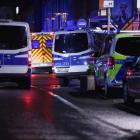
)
(122, 17)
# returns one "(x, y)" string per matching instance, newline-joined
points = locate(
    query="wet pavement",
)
(50, 112)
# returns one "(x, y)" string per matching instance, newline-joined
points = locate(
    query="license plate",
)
(62, 69)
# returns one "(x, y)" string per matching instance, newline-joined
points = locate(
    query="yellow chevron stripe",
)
(48, 54)
(50, 37)
(47, 59)
(44, 46)
(39, 58)
(46, 49)
(49, 51)
(36, 37)
(44, 37)
(36, 51)
(43, 42)
(36, 55)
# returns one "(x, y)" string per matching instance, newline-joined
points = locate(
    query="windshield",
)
(71, 43)
(128, 46)
(12, 37)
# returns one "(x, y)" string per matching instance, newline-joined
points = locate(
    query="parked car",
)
(131, 82)
(110, 65)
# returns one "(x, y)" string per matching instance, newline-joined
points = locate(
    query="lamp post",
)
(108, 4)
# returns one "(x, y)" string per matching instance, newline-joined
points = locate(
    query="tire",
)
(25, 83)
(126, 97)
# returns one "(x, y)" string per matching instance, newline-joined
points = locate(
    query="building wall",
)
(51, 15)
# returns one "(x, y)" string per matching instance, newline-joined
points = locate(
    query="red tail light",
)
(111, 62)
(129, 72)
(91, 57)
(29, 58)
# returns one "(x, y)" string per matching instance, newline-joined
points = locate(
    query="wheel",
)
(126, 97)
(25, 83)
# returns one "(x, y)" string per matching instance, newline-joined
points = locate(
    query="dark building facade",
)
(48, 15)
(52, 15)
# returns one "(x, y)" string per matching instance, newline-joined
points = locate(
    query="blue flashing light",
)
(82, 23)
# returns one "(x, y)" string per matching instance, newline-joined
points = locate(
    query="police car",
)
(110, 66)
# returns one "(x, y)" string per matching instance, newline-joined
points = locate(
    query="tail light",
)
(29, 58)
(129, 72)
(110, 62)
(91, 57)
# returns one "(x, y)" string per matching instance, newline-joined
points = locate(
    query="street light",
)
(109, 4)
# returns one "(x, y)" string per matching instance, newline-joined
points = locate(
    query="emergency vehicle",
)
(15, 52)
(111, 64)
(42, 51)
(72, 51)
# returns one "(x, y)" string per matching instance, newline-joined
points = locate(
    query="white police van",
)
(72, 53)
(15, 56)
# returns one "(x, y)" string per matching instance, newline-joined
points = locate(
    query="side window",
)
(91, 40)
(107, 45)
(98, 43)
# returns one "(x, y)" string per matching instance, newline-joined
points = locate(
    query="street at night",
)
(70, 70)
(48, 112)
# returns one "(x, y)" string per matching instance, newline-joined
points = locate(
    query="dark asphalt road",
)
(50, 112)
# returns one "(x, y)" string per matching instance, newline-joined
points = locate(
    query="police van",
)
(72, 53)
(15, 52)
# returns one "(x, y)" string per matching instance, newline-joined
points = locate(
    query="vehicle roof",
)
(125, 34)
(41, 33)
(13, 23)
(73, 31)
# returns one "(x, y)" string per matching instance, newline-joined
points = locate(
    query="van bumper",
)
(73, 75)
(14, 76)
